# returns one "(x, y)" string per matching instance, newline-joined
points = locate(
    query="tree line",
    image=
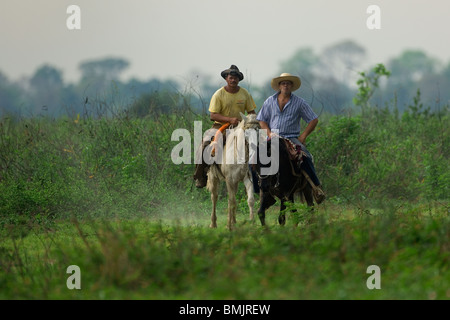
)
(329, 84)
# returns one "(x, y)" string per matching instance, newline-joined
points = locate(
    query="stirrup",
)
(318, 194)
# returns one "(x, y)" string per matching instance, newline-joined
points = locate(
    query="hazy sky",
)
(173, 38)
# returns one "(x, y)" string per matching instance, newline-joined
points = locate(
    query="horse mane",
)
(241, 154)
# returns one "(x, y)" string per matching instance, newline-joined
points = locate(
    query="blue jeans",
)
(307, 163)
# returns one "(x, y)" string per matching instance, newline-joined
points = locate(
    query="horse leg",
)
(213, 185)
(308, 196)
(309, 199)
(232, 190)
(294, 210)
(266, 200)
(262, 209)
(282, 215)
(250, 197)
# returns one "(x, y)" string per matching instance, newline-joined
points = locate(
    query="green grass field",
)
(175, 255)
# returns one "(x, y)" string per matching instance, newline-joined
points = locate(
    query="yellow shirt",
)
(230, 104)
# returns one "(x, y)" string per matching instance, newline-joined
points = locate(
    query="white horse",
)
(236, 151)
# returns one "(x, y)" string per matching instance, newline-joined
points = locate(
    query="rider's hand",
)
(234, 121)
(302, 139)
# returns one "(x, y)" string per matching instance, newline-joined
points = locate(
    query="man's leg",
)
(201, 169)
(308, 167)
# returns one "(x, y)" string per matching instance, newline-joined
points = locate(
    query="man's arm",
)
(309, 128)
(220, 118)
(264, 125)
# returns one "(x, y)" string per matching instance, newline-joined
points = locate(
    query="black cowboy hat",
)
(234, 71)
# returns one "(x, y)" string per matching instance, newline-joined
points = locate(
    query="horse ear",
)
(243, 116)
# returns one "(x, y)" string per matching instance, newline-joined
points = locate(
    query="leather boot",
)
(318, 194)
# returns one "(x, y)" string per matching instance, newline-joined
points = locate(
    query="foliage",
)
(367, 85)
(141, 259)
(328, 80)
(379, 156)
(58, 167)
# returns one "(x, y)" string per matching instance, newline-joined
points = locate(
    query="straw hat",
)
(286, 77)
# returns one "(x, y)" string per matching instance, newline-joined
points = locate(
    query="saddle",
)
(296, 154)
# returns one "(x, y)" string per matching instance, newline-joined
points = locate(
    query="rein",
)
(220, 131)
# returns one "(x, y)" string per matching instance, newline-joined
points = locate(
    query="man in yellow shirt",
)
(225, 107)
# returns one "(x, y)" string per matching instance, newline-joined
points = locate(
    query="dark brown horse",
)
(283, 183)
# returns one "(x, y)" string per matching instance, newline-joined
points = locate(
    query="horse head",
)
(249, 122)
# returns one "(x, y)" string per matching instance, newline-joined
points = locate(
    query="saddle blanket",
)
(296, 153)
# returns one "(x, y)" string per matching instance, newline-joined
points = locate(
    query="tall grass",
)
(147, 259)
